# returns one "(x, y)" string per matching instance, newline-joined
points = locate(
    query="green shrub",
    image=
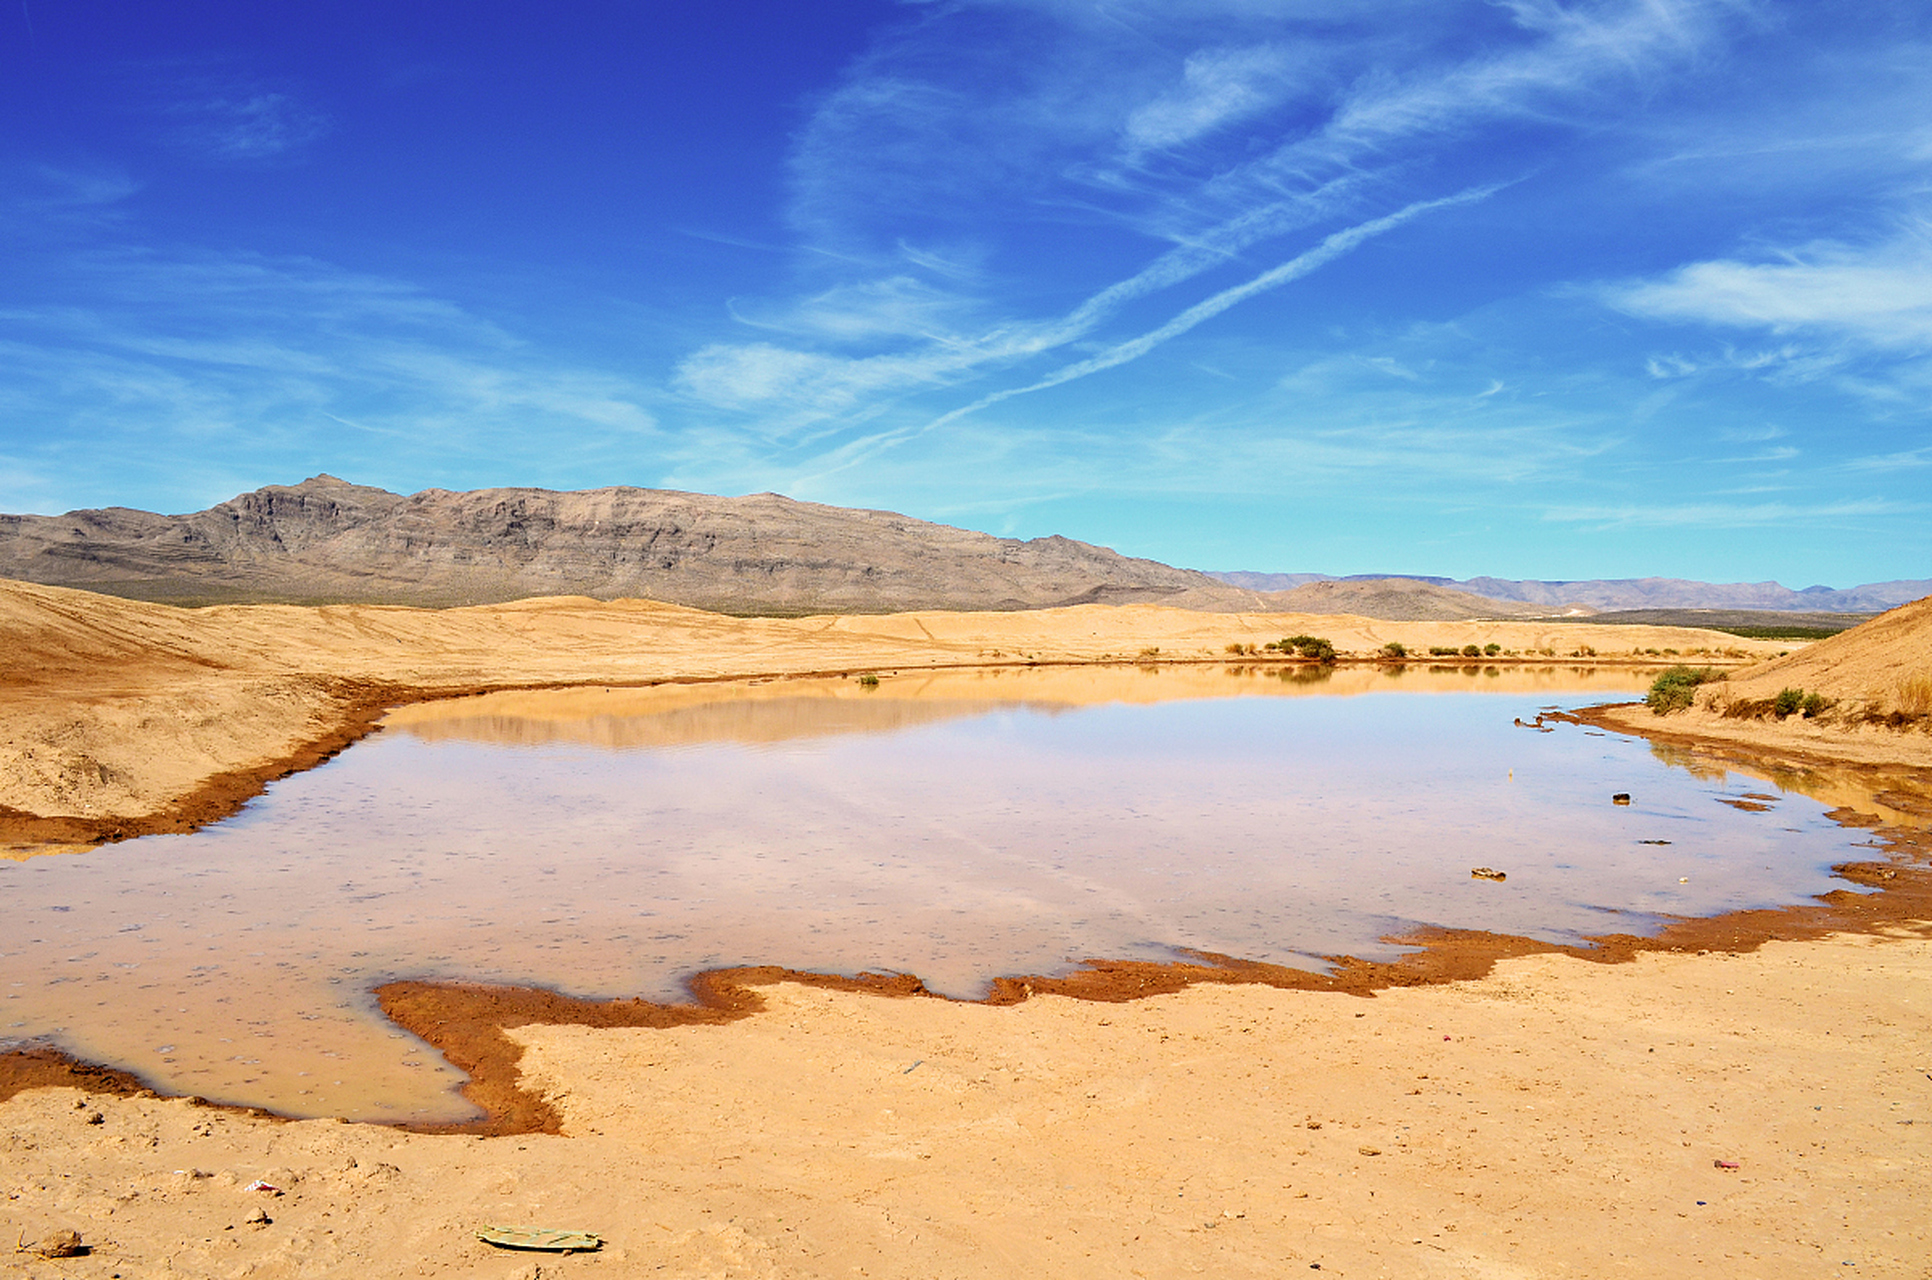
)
(1787, 701)
(868, 682)
(1395, 649)
(1441, 651)
(1674, 689)
(1472, 651)
(1813, 704)
(1492, 649)
(1310, 647)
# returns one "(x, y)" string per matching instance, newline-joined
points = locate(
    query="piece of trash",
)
(909, 1070)
(1487, 873)
(542, 1238)
(259, 1185)
(1725, 1164)
(1445, 1037)
(1683, 879)
(1622, 797)
(61, 1244)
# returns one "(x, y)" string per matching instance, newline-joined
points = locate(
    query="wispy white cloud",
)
(1719, 515)
(1879, 293)
(202, 355)
(248, 127)
(1007, 126)
(1218, 86)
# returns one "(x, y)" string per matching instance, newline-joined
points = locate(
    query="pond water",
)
(959, 827)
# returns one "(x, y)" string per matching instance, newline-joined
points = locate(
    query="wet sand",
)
(1557, 1116)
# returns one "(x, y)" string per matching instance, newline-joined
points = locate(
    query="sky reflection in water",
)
(958, 838)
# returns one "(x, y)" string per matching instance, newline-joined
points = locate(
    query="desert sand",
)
(1557, 1117)
(1753, 1101)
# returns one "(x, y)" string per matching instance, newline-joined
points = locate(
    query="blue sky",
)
(1530, 289)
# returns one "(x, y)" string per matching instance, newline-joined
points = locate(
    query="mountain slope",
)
(325, 540)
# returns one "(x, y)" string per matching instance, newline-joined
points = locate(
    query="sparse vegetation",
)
(868, 682)
(1441, 651)
(1492, 649)
(1395, 649)
(1915, 695)
(1781, 633)
(1791, 702)
(1675, 689)
(1309, 647)
(1472, 651)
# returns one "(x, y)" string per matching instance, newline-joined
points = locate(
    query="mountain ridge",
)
(1619, 594)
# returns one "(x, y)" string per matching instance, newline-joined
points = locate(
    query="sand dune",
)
(1876, 679)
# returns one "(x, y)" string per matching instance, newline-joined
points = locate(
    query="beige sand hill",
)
(1878, 677)
(126, 717)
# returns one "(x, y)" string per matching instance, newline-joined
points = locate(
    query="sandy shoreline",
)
(1487, 1106)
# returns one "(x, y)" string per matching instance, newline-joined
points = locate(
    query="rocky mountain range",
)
(328, 541)
(1619, 594)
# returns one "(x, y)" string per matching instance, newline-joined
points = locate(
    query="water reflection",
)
(956, 825)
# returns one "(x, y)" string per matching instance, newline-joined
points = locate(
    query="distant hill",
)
(326, 540)
(1400, 600)
(1637, 593)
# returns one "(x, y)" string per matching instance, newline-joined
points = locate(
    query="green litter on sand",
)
(542, 1238)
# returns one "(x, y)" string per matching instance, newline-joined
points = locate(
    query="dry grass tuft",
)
(1915, 695)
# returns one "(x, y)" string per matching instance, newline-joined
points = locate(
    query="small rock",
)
(61, 1244)
(1370, 1151)
(95, 1117)
(1488, 873)
(1621, 797)
(259, 1218)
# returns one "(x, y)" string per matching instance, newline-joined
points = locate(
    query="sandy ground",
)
(1558, 1118)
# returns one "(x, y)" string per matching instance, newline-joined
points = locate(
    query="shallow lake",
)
(958, 826)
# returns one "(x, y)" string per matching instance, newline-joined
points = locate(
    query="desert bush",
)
(869, 682)
(1472, 651)
(1787, 701)
(1492, 649)
(1395, 649)
(1915, 695)
(1674, 689)
(1441, 651)
(1814, 703)
(1310, 647)
(1236, 649)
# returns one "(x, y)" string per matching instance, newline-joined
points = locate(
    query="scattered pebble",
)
(61, 1244)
